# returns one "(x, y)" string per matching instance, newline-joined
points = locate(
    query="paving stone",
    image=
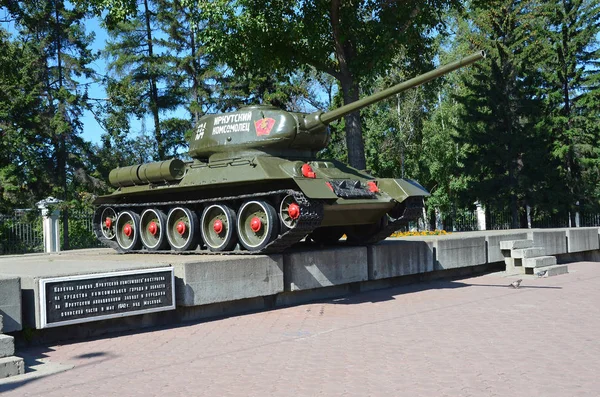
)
(381, 343)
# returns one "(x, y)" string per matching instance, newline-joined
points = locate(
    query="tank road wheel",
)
(152, 229)
(108, 222)
(326, 235)
(182, 229)
(289, 212)
(127, 231)
(218, 228)
(257, 224)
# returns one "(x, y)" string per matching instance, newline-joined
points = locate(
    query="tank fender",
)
(400, 189)
(315, 188)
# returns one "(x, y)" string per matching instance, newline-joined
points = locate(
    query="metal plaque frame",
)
(44, 281)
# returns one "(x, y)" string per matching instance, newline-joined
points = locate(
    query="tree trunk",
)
(354, 138)
(344, 51)
(61, 156)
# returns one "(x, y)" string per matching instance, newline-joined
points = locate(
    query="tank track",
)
(311, 215)
(413, 209)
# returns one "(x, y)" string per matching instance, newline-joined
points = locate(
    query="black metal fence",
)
(81, 234)
(21, 233)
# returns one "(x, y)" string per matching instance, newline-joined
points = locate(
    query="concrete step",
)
(515, 244)
(11, 366)
(527, 252)
(549, 271)
(540, 261)
(514, 266)
(7, 345)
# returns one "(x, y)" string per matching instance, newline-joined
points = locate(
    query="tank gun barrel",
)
(340, 112)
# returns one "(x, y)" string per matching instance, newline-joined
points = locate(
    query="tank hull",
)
(288, 201)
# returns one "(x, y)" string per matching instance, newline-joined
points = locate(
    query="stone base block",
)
(31, 268)
(553, 241)
(582, 239)
(11, 366)
(399, 258)
(227, 278)
(496, 238)
(454, 251)
(7, 345)
(324, 268)
(10, 303)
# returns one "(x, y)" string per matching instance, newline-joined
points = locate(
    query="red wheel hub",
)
(153, 228)
(218, 226)
(255, 224)
(294, 211)
(181, 228)
(128, 230)
(108, 222)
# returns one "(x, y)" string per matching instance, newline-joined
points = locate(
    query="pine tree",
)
(572, 96)
(144, 79)
(501, 106)
(57, 32)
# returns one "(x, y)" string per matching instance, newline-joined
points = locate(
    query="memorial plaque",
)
(78, 299)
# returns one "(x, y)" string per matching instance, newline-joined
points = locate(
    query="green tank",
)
(256, 186)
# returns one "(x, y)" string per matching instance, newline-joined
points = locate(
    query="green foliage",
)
(21, 233)
(571, 96)
(350, 41)
(144, 79)
(42, 101)
(501, 105)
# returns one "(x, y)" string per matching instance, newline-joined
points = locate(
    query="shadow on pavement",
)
(37, 366)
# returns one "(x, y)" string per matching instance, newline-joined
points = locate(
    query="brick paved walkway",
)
(470, 337)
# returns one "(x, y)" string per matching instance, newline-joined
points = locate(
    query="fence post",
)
(480, 212)
(438, 219)
(50, 225)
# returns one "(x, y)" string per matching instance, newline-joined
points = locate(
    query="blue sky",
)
(91, 129)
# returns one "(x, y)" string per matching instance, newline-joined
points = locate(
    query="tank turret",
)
(272, 130)
(255, 186)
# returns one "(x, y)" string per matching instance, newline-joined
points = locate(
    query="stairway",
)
(521, 257)
(9, 364)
